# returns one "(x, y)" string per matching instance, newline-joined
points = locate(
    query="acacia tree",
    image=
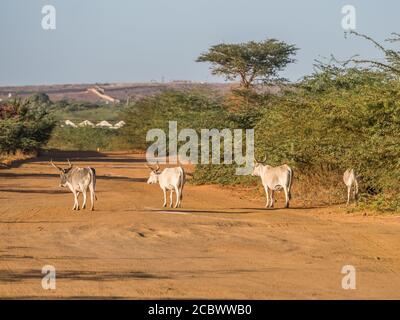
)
(392, 57)
(251, 61)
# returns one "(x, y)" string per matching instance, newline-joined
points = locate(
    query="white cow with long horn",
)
(78, 180)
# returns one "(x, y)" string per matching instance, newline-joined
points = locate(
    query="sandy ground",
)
(221, 244)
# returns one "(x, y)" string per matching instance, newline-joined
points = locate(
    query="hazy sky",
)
(143, 40)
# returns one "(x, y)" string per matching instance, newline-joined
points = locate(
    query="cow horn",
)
(149, 167)
(55, 166)
(264, 159)
(69, 163)
(261, 161)
(158, 167)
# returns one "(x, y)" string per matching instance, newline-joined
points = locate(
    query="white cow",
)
(274, 178)
(172, 179)
(350, 179)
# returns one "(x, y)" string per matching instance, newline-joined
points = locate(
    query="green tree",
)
(391, 63)
(24, 124)
(251, 61)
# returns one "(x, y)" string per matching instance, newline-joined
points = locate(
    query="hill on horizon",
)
(107, 92)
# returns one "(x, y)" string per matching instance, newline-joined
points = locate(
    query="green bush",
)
(333, 120)
(25, 125)
(77, 112)
(84, 138)
(190, 109)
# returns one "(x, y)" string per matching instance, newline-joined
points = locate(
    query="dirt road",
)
(221, 244)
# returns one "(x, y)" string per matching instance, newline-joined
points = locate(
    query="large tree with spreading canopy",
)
(250, 62)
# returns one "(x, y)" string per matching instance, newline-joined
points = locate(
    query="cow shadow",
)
(29, 275)
(14, 175)
(74, 156)
(283, 208)
(33, 191)
(183, 210)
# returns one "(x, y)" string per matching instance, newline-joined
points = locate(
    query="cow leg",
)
(84, 199)
(77, 197)
(272, 201)
(286, 197)
(165, 197)
(267, 194)
(178, 196)
(171, 199)
(92, 195)
(76, 203)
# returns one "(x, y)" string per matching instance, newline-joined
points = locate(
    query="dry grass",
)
(6, 159)
(319, 188)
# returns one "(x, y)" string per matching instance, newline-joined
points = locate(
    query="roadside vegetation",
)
(191, 109)
(79, 111)
(85, 138)
(344, 115)
(25, 126)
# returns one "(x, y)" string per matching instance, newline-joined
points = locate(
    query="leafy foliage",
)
(391, 65)
(85, 138)
(335, 119)
(190, 109)
(25, 124)
(251, 61)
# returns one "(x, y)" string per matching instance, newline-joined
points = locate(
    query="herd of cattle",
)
(80, 180)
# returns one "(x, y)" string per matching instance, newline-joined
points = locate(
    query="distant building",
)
(69, 123)
(86, 123)
(104, 124)
(119, 125)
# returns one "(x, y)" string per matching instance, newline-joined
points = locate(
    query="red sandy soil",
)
(220, 244)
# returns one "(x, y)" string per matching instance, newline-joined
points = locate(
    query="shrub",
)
(190, 109)
(25, 124)
(333, 120)
(84, 138)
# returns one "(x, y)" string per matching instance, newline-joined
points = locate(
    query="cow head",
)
(63, 173)
(258, 165)
(154, 173)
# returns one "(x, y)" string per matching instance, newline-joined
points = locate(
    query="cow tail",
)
(93, 173)
(290, 182)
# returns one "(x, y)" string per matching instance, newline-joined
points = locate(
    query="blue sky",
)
(144, 40)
